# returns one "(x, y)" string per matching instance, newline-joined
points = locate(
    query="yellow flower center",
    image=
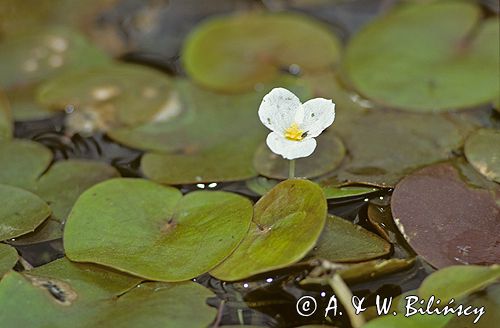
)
(294, 133)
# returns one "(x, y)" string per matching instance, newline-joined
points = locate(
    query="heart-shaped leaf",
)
(8, 258)
(445, 220)
(74, 177)
(149, 230)
(21, 212)
(458, 281)
(36, 55)
(237, 52)
(483, 152)
(332, 192)
(22, 162)
(287, 222)
(343, 241)
(384, 146)
(24, 106)
(489, 298)
(208, 119)
(427, 57)
(113, 93)
(229, 161)
(63, 294)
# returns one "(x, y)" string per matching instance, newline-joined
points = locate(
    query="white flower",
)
(294, 125)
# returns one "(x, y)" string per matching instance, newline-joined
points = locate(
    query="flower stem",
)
(291, 171)
(345, 296)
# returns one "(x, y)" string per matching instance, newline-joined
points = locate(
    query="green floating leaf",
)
(327, 156)
(149, 230)
(261, 185)
(32, 57)
(374, 269)
(23, 105)
(207, 120)
(482, 150)
(347, 191)
(343, 241)
(458, 281)
(112, 93)
(5, 119)
(50, 229)
(8, 258)
(384, 146)
(22, 162)
(287, 222)
(446, 220)
(64, 294)
(66, 180)
(237, 52)
(88, 281)
(427, 57)
(161, 305)
(489, 298)
(21, 212)
(229, 161)
(422, 51)
(416, 321)
(60, 187)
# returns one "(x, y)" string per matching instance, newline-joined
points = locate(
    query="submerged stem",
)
(291, 171)
(345, 296)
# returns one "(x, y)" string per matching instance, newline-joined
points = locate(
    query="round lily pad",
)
(427, 57)
(482, 150)
(332, 192)
(5, 119)
(24, 106)
(458, 281)
(74, 177)
(287, 222)
(490, 299)
(113, 92)
(162, 228)
(90, 282)
(207, 120)
(8, 258)
(63, 294)
(237, 52)
(261, 185)
(161, 305)
(374, 269)
(22, 162)
(327, 156)
(384, 146)
(229, 161)
(50, 229)
(343, 241)
(445, 220)
(21, 212)
(37, 55)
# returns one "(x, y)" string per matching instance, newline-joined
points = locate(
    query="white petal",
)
(319, 113)
(278, 109)
(290, 149)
